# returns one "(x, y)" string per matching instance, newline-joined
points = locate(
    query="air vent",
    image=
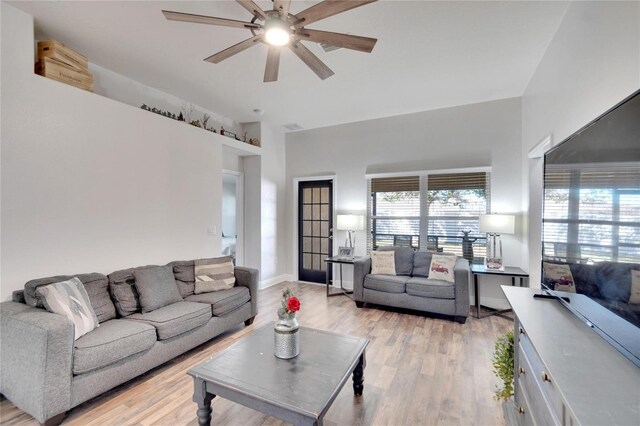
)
(328, 48)
(293, 126)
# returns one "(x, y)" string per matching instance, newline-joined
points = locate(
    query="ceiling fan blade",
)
(311, 60)
(282, 6)
(347, 41)
(253, 9)
(236, 48)
(273, 63)
(327, 8)
(210, 20)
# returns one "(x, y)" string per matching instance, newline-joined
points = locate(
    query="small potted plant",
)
(503, 365)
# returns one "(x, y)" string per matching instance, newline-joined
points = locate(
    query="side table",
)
(340, 261)
(509, 271)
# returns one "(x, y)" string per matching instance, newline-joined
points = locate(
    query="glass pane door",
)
(315, 229)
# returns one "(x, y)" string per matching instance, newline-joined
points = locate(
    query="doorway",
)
(232, 216)
(315, 230)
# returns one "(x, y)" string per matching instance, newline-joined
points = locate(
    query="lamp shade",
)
(350, 222)
(497, 223)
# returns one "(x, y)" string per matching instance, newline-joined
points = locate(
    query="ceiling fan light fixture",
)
(277, 32)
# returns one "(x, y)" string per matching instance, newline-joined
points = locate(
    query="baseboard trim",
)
(275, 280)
(493, 302)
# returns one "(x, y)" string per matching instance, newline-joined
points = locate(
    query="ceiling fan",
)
(278, 28)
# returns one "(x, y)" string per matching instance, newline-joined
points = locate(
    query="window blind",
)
(394, 212)
(455, 203)
(427, 212)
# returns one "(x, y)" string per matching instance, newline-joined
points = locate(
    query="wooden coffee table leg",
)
(358, 376)
(203, 399)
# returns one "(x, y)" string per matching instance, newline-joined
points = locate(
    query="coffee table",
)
(299, 390)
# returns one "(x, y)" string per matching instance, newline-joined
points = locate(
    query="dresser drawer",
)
(523, 412)
(530, 380)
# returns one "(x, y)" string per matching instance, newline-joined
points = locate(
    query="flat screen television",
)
(591, 225)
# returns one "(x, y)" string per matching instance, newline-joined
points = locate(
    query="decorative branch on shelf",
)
(185, 115)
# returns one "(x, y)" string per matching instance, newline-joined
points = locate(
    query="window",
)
(428, 212)
(592, 213)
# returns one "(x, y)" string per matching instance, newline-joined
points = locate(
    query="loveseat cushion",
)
(113, 341)
(224, 301)
(425, 287)
(95, 284)
(421, 263)
(386, 283)
(176, 318)
(183, 271)
(403, 257)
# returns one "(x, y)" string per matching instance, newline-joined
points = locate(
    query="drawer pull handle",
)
(545, 377)
(520, 410)
(522, 330)
(521, 370)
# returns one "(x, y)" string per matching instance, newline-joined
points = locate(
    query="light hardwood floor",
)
(420, 371)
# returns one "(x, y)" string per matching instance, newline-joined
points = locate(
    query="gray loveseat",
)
(45, 372)
(411, 288)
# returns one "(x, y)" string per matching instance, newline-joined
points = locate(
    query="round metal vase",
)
(286, 336)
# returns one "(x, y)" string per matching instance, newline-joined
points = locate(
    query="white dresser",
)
(566, 374)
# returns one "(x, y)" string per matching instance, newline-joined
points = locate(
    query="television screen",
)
(591, 225)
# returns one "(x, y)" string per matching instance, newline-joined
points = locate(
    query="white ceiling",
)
(429, 55)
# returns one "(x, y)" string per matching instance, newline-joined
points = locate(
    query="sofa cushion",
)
(224, 301)
(634, 294)
(176, 318)
(421, 263)
(183, 271)
(426, 287)
(386, 283)
(214, 274)
(95, 284)
(404, 259)
(558, 276)
(122, 287)
(113, 341)
(70, 299)
(383, 263)
(442, 267)
(156, 287)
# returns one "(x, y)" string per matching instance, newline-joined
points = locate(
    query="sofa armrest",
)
(36, 359)
(361, 268)
(250, 278)
(462, 274)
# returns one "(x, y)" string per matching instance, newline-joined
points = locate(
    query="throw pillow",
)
(421, 263)
(442, 267)
(383, 262)
(214, 274)
(69, 298)
(634, 297)
(156, 287)
(558, 276)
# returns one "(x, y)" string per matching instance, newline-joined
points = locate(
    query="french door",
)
(315, 229)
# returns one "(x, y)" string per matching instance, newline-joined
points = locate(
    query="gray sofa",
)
(411, 288)
(45, 372)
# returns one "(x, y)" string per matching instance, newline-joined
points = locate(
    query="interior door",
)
(315, 229)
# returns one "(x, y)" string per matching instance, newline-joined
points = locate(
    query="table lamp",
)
(495, 225)
(350, 223)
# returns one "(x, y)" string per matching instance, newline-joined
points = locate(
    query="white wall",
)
(479, 135)
(121, 88)
(229, 205)
(274, 243)
(592, 63)
(90, 184)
